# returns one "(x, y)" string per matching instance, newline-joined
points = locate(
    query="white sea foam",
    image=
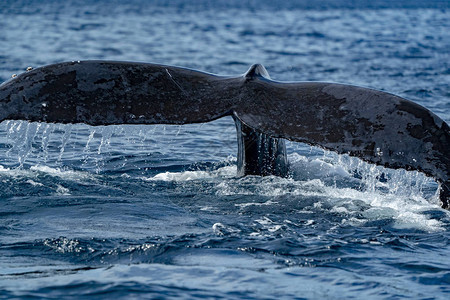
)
(228, 171)
(400, 197)
(62, 190)
(34, 171)
(267, 203)
(34, 183)
(61, 173)
(3, 169)
(221, 229)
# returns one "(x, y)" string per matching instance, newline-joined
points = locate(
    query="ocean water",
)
(158, 212)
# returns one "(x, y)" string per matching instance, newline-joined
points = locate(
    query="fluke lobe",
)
(375, 126)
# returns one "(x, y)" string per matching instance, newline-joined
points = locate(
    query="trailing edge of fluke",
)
(375, 126)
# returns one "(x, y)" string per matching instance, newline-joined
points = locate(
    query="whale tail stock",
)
(375, 126)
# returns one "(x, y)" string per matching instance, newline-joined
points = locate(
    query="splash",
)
(346, 186)
(332, 183)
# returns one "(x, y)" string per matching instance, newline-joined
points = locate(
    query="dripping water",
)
(124, 147)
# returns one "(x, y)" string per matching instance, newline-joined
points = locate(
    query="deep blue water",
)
(157, 211)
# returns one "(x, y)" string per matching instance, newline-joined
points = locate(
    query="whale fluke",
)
(375, 126)
(105, 93)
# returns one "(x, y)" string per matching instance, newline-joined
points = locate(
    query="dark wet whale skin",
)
(375, 126)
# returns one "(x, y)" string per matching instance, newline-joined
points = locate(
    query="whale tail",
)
(372, 125)
(105, 93)
(375, 126)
